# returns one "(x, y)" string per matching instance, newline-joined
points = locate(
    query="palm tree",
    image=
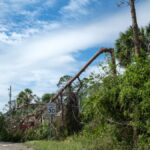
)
(135, 28)
(25, 97)
(47, 97)
(124, 47)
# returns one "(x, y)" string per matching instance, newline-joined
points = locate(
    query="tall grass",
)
(55, 145)
(89, 139)
(76, 143)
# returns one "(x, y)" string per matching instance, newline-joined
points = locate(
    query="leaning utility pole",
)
(10, 96)
(58, 98)
(99, 52)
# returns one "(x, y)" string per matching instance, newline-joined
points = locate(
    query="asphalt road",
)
(13, 146)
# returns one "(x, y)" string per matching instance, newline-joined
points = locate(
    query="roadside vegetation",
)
(114, 110)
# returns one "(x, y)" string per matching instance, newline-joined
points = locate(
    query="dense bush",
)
(124, 101)
(17, 135)
(39, 133)
(3, 132)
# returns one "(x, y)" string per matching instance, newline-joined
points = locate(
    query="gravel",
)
(13, 146)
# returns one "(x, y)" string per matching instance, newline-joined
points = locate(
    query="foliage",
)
(63, 80)
(46, 97)
(124, 101)
(17, 135)
(39, 133)
(55, 145)
(25, 97)
(72, 116)
(93, 137)
(125, 45)
(3, 132)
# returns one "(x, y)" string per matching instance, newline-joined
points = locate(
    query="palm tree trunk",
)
(135, 28)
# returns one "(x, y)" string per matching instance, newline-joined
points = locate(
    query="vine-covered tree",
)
(72, 114)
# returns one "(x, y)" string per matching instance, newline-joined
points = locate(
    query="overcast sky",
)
(41, 40)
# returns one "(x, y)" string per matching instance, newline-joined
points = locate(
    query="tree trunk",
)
(135, 28)
(114, 69)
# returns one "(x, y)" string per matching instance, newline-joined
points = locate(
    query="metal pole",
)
(62, 109)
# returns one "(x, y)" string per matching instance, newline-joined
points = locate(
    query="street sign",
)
(52, 108)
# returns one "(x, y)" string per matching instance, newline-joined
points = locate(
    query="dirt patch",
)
(13, 146)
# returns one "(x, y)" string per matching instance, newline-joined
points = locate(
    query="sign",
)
(52, 108)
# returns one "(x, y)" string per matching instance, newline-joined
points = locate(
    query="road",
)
(13, 146)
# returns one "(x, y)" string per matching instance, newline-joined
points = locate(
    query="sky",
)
(42, 40)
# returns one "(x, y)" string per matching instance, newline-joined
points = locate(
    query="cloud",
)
(75, 5)
(37, 58)
(76, 8)
(17, 15)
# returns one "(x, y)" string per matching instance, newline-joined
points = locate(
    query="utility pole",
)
(10, 96)
(99, 52)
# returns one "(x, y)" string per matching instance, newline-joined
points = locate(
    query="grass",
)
(84, 141)
(55, 145)
(74, 143)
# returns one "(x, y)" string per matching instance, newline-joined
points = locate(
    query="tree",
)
(147, 37)
(71, 115)
(124, 101)
(63, 80)
(135, 28)
(25, 97)
(2, 124)
(47, 97)
(124, 45)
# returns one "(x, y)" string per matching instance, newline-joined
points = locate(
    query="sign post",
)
(52, 108)
(52, 112)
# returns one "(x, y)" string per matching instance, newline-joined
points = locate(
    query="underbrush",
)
(89, 139)
(55, 145)
(18, 135)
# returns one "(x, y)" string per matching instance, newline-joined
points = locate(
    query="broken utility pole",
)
(102, 50)
(59, 97)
